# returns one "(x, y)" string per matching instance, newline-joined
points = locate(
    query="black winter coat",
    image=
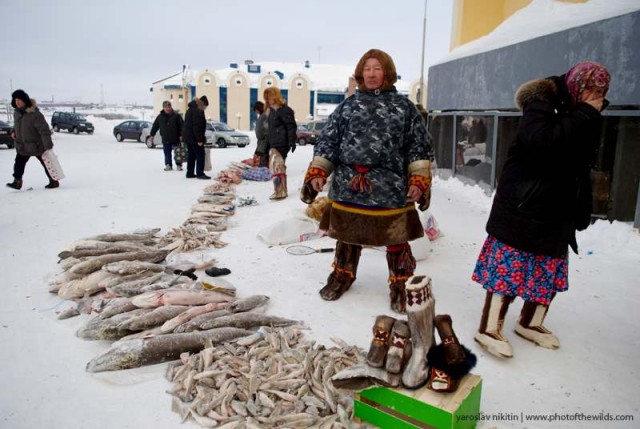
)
(544, 191)
(282, 129)
(170, 126)
(195, 124)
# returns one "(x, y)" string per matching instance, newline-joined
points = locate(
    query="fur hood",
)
(536, 90)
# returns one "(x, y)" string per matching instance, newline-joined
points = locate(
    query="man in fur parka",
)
(543, 197)
(33, 137)
(377, 147)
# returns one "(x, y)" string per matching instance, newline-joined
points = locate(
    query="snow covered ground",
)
(120, 187)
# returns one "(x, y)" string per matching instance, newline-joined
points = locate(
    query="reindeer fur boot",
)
(399, 347)
(489, 334)
(530, 326)
(420, 315)
(380, 343)
(453, 352)
(401, 266)
(345, 266)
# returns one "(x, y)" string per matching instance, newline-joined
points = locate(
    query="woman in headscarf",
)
(543, 197)
(377, 147)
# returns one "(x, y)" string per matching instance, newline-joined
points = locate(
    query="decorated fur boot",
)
(453, 352)
(401, 266)
(420, 315)
(530, 326)
(380, 343)
(489, 333)
(399, 347)
(344, 271)
(279, 172)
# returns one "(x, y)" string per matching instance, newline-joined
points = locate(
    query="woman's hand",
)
(593, 97)
(414, 193)
(318, 183)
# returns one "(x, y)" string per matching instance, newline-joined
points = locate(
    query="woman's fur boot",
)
(420, 315)
(489, 333)
(530, 326)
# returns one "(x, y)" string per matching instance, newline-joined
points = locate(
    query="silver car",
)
(222, 135)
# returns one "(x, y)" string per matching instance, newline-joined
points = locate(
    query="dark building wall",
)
(488, 80)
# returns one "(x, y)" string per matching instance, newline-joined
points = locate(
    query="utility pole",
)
(424, 36)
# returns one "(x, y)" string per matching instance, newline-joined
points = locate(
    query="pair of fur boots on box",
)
(405, 352)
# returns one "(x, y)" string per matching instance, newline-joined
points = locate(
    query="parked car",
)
(316, 126)
(221, 135)
(131, 130)
(73, 122)
(304, 136)
(6, 134)
(145, 136)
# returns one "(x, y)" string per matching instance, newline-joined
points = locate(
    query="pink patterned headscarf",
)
(586, 75)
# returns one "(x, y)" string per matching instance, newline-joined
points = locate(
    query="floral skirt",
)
(508, 271)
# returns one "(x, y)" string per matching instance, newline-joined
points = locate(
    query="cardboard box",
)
(421, 408)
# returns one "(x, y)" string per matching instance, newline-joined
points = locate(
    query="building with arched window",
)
(311, 90)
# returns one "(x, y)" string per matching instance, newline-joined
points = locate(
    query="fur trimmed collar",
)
(536, 90)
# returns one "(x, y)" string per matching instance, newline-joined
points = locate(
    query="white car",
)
(222, 135)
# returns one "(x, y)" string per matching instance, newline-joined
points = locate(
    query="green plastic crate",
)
(421, 408)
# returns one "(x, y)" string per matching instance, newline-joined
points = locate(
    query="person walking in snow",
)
(281, 137)
(542, 198)
(262, 145)
(170, 123)
(194, 127)
(377, 147)
(32, 137)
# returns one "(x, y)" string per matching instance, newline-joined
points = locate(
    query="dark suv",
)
(73, 122)
(6, 134)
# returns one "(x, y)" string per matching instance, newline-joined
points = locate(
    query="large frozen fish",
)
(141, 235)
(109, 329)
(161, 348)
(154, 318)
(88, 284)
(248, 303)
(194, 324)
(117, 306)
(132, 267)
(248, 320)
(94, 264)
(99, 249)
(185, 316)
(180, 297)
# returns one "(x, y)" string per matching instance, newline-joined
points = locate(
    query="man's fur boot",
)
(401, 266)
(380, 343)
(420, 315)
(489, 333)
(530, 326)
(399, 347)
(345, 266)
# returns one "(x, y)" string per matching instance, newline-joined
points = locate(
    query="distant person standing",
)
(32, 135)
(262, 146)
(281, 132)
(170, 123)
(195, 125)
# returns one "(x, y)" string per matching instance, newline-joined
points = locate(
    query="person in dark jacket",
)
(170, 123)
(195, 125)
(377, 148)
(32, 136)
(281, 137)
(542, 198)
(262, 145)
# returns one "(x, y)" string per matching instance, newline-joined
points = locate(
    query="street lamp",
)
(424, 36)
(239, 116)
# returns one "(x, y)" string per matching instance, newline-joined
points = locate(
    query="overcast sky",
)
(69, 48)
